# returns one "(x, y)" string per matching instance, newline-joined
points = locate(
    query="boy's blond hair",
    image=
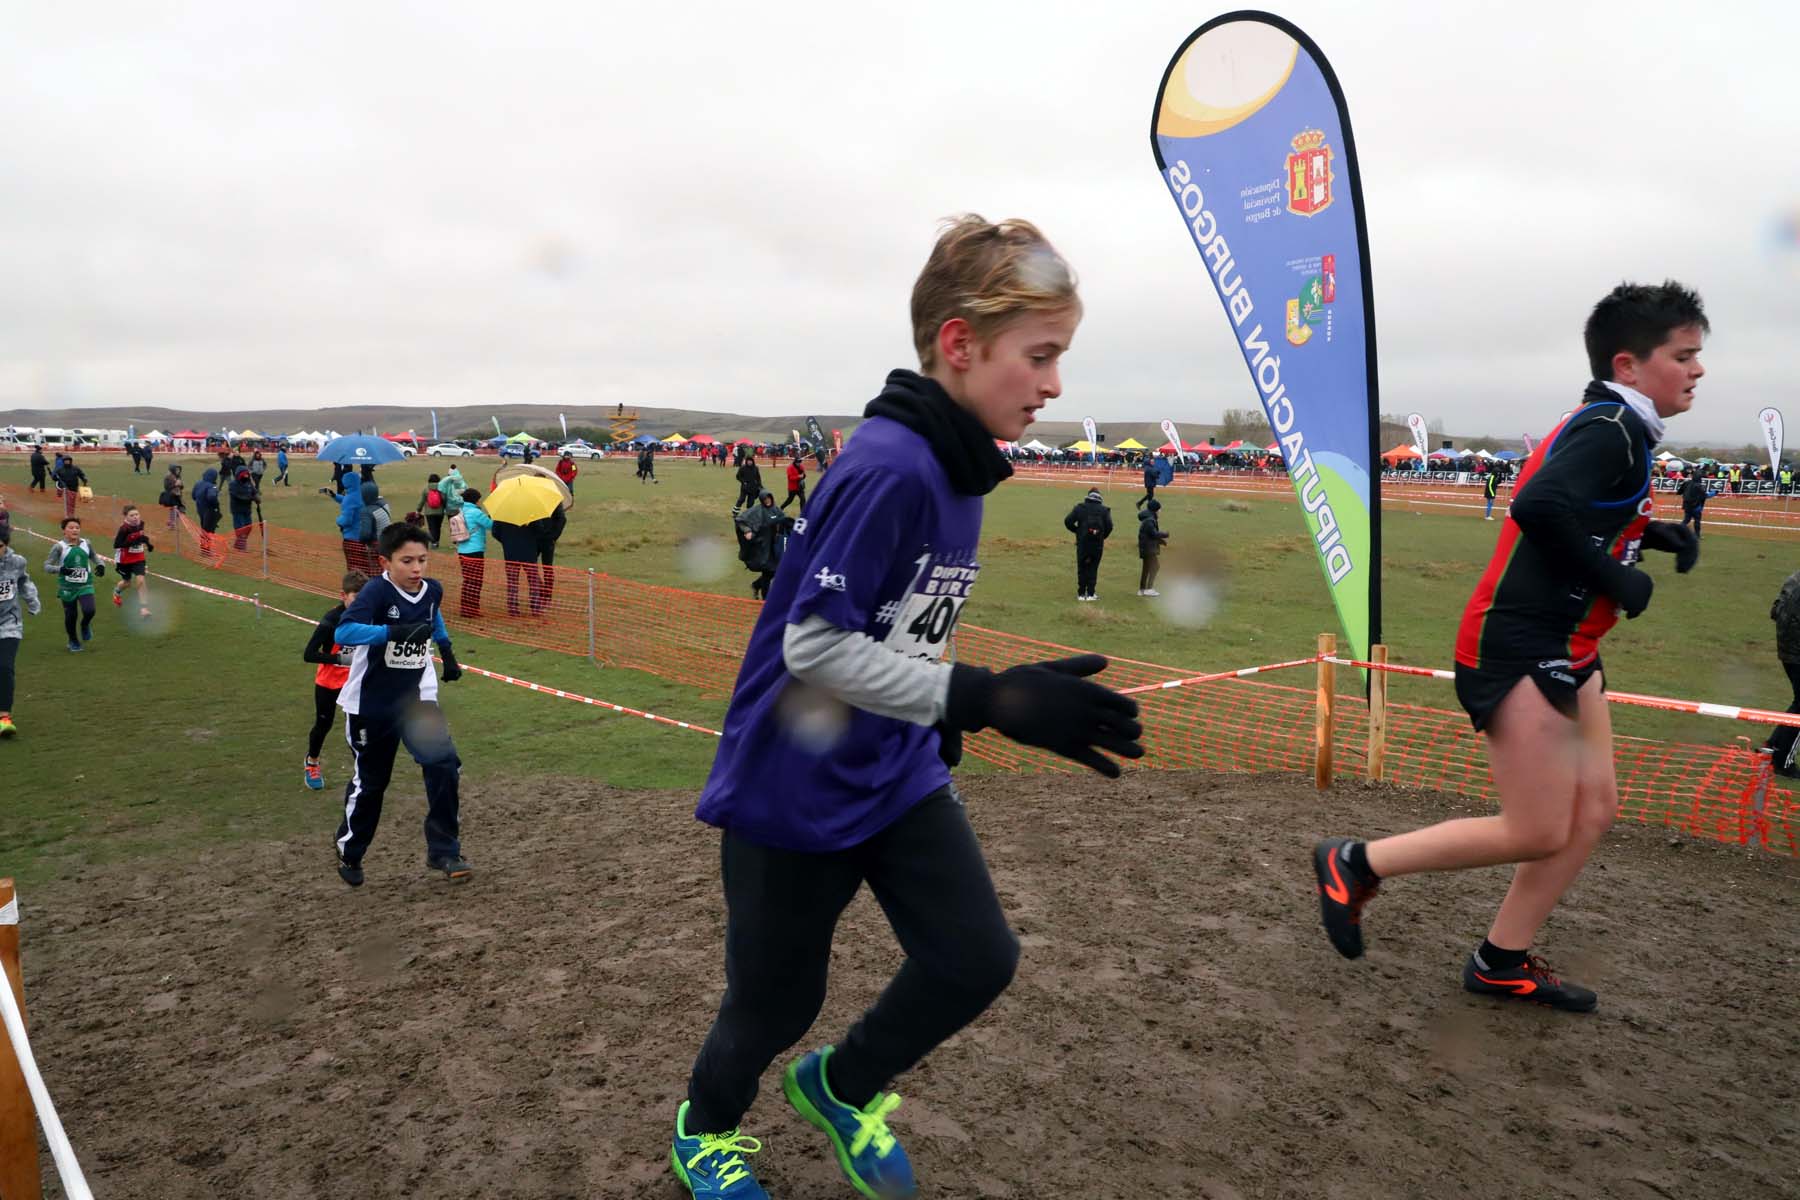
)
(988, 275)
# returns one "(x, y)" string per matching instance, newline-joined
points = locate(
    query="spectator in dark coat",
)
(40, 470)
(1785, 612)
(243, 496)
(544, 535)
(1091, 523)
(518, 547)
(759, 542)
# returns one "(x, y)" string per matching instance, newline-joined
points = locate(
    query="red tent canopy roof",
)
(188, 433)
(704, 439)
(399, 437)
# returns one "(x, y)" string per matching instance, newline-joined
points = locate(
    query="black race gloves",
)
(1631, 588)
(1674, 539)
(411, 634)
(452, 668)
(1051, 705)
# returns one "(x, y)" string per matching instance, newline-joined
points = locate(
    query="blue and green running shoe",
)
(711, 1165)
(871, 1159)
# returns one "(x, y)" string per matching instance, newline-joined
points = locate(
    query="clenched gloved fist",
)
(1052, 705)
(452, 668)
(1674, 539)
(1631, 588)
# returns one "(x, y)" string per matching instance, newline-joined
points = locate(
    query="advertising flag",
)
(837, 441)
(434, 432)
(496, 421)
(1420, 435)
(1253, 141)
(1770, 420)
(1530, 443)
(1168, 428)
(565, 425)
(1087, 429)
(818, 439)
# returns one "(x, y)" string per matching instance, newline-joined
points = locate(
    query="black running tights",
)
(781, 909)
(324, 714)
(85, 606)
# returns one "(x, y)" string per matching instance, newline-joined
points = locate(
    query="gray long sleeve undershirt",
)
(865, 674)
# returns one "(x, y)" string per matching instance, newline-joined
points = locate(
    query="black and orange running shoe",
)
(1532, 980)
(1342, 894)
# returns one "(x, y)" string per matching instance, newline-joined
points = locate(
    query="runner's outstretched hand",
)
(1674, 539)
(1052, 705)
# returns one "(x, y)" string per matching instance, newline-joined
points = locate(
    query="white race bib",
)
(405, 656)
(7, 591)
(924, 625)
(76, 575)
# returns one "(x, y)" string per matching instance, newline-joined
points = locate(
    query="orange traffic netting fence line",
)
(1221, 722)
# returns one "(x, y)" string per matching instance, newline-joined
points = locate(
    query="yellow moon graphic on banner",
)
(1225, 77)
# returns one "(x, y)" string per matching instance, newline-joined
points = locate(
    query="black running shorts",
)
(1481, 689)
(127, 570)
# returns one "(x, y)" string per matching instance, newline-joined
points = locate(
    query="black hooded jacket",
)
(963, 448)
(1091, 523)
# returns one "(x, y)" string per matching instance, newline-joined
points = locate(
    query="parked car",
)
(583, 452)
(450, 450)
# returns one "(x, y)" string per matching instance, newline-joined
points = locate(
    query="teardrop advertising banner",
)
(1174, 436)
(1420, 435)
(1253, 141)
(1087, 428)
(1770, 421)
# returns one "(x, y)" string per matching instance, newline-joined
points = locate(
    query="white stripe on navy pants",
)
(374, 740)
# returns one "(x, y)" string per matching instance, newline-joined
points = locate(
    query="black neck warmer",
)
(964, 449)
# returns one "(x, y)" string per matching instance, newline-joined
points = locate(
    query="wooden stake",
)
(1378, 720)
(19, 1177)
(1326, 702)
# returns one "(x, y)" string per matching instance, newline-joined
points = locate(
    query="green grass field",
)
(193, 732)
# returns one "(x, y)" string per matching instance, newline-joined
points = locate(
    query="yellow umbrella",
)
(514, 470)
(522, 500)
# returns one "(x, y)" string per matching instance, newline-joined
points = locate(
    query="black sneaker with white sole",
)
(351, 873)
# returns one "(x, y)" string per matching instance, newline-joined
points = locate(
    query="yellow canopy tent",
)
(1086, 447)
(674, 439)
(1130, 444)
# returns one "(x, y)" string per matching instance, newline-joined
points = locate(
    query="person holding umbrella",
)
(515, 504)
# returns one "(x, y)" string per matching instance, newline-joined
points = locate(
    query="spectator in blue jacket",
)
(349, 523)
(472, 521)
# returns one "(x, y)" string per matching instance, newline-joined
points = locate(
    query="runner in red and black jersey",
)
(1528, 650)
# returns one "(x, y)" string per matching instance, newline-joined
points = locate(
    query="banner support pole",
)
(590, 576)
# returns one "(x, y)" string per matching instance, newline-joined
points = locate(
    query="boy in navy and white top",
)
(391, 698)
(834, 768)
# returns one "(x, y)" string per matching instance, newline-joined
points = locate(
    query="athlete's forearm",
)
(865, 674)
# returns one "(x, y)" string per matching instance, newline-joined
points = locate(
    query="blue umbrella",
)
(361, 450)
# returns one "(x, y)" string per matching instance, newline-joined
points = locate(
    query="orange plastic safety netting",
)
(1232, 724)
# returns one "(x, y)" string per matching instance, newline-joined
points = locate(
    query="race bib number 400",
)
(405, 656)
(927, 617)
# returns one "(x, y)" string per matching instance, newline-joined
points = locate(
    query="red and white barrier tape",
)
(527, 684)
(1240, 673)
(74, 1183)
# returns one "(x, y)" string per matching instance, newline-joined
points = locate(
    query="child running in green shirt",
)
(73, 563)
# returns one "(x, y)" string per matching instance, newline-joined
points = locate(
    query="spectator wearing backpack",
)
(373, 518)
(431, 504)
(469, 527)
(1091, 523)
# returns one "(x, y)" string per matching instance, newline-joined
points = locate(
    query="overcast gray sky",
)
(228, 207)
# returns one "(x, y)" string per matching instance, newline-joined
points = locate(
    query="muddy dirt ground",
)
(242, 1025)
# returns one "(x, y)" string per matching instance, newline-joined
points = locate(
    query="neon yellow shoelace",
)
(871, 1125)
(733, 1146)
